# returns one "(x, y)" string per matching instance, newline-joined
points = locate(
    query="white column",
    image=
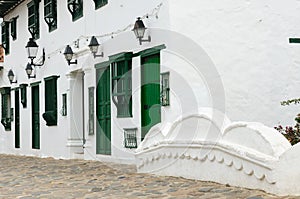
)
(88, 80)
(74, 112)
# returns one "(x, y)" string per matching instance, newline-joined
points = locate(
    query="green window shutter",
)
(50, 14)
(35, 114)
(100, 3)
(122, 83)
(33, 19)
(50, 94)
(23, 88)
(5, 108)
(17, 118)
(13, 28)
(75, 7)
(5, 36)
(50, 115)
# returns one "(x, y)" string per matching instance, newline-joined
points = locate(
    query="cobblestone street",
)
(28, 177)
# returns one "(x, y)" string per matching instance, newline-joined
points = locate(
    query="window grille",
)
(165, 89)
(130, 140)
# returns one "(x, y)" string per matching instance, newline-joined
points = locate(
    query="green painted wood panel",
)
(35, 117)
(150, 92)
(294, 40)
(6, 108)
(50, 115)
(50, 12)
(23, 88)
(17, 119)
(5, 37)
(33, 19)
(13, 28)
(103, 112)
(100, 3)
(77, 11)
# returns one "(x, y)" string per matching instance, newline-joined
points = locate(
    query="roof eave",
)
(6, 9)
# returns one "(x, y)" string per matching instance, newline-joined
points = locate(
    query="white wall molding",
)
(249, 155)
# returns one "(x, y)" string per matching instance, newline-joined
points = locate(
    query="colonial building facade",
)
(158, 83)
(200, 57)
(91, 106)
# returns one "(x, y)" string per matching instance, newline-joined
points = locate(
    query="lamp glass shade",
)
(32, 48)
(94, 45)
(94, 49)
(139, 32)
(28, 69)
(10, 75)
(68, 53)
(139, 28)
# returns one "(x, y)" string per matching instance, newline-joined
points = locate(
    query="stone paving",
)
(28, 177)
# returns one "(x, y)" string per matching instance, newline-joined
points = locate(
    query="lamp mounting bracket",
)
(100, 55)
(145, 40)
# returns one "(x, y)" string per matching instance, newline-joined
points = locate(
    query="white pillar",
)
(74, 113)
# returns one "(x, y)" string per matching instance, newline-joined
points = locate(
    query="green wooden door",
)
(103, 136)
(17, 119)
(150, 92)
(35, 117)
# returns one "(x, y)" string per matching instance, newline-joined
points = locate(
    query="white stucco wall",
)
(243, 154)
(66, 139)
(233, 56)
(248, 43)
